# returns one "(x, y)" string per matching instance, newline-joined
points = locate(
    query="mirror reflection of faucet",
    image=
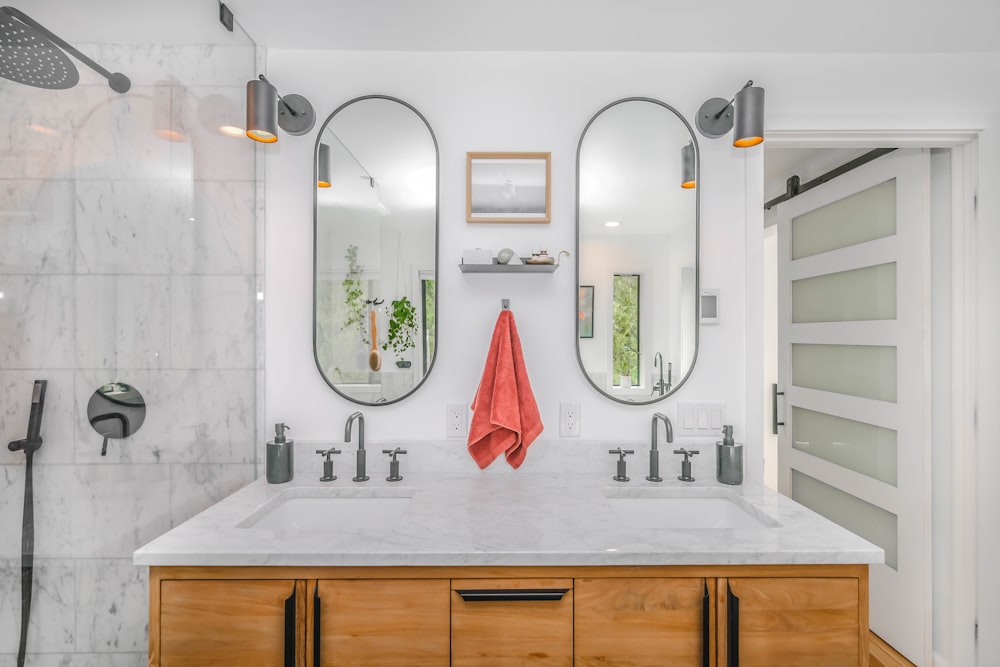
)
(660, 388)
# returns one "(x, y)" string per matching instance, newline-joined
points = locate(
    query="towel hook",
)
(505, 304)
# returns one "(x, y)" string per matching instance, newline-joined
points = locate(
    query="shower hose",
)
(29, 444)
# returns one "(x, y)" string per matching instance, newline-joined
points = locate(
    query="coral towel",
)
(505, 418)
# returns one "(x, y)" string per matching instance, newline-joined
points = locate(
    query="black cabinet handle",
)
(774, 409)
(316, 627)
(290, 629)
(705, 617)
(513, 595)
(733, 627)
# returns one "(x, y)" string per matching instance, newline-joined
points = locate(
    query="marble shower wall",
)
(130, 249)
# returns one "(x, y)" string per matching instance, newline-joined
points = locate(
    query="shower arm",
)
(121, 79)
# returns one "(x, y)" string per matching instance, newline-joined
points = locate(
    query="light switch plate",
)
(704, 418)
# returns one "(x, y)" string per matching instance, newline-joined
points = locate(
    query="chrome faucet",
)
(654, 453)
(361, 475)
(661, 387)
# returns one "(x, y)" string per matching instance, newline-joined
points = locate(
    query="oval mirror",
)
(637, 250)
(116, 410)
(375, 250)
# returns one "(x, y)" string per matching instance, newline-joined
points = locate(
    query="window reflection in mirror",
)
(375, 250)
(637, 244)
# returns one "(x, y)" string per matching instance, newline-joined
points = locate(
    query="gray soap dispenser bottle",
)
(280, 465)
(728, 458)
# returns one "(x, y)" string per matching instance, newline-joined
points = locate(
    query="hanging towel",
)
(505, 418)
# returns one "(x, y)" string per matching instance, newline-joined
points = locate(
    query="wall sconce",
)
(688, 178)
(294, 112)
(323, 167)
(745, 111)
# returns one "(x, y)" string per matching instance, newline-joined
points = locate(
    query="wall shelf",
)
(507, 268)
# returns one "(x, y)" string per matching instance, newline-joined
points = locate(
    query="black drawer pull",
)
(733, 631)
(513, 594)
(290, 629)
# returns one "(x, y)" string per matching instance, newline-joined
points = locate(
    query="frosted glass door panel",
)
(868, 371)
(847, 296)
(858, 218)
(861, 518)
(863, 448)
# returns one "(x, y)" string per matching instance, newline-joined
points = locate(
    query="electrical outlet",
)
(569, 420)
(456, 420)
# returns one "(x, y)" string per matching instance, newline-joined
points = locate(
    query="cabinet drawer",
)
(507, 622)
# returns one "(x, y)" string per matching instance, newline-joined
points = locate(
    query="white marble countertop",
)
(520, 519)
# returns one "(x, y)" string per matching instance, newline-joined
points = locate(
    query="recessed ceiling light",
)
(612, 223)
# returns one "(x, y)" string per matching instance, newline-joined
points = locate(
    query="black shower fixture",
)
(32, 55)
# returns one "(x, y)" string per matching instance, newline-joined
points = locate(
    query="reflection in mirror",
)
(116, 410)
(637, 251)
(375, 254)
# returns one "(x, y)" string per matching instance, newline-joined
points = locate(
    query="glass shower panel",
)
(873, 523)
(867, 371)
(863, 448)
(860, 294)
(865, 216)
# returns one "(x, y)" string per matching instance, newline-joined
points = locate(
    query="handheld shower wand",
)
(29, 445)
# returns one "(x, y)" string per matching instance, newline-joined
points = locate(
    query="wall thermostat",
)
(709, 306)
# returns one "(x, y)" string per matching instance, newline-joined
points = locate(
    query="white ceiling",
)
(734, 26)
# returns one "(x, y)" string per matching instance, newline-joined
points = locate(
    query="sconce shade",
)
(262, 107)
(687, 167)
(323, 167)
(749, 124)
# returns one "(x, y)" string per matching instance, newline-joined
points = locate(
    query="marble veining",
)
(520, 519)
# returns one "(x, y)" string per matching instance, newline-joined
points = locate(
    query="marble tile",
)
(191, 64)
(77, 660)
(220, 238)
(37, 222)
(207, 153)
(113, 606)
(213, 322)
(116, 140)
(58, 416)
(52, 625)
(122, 321)
(195, 487)
(127, 227)
(87, 511)
(36, 322)
(191, 417)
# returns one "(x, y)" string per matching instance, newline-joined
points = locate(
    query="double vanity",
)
(507, 569)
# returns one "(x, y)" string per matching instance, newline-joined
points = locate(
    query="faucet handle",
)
(328, 475)
(327, 452)
(394, 475)
(394, 452)
(686, 452)
(620, 475)
(685, 475)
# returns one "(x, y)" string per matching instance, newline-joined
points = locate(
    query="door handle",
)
(316, 628)
(774, 409)
(732, 628)
(290, 629)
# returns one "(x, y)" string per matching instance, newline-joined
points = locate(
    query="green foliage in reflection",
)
(354, 294)
(430, 295)
(402, 326)
(625, 326)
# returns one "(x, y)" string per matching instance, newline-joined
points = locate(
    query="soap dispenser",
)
(728, 458)
(280, 457)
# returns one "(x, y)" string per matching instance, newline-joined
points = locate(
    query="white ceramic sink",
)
(695, 511)
(331, 512)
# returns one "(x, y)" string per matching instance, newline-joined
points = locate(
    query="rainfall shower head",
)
(32, 55)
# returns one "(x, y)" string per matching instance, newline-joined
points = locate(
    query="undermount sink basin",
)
(331, 512)
(687, 511)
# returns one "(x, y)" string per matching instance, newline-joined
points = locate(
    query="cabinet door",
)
(382, 622)
(635, 622)
(508, 622)
(790, 622)
(230, 622)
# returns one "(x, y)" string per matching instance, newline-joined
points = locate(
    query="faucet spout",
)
(654, 453)
(361, 475)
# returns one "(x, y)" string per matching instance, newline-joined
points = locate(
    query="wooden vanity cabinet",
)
(697, 616)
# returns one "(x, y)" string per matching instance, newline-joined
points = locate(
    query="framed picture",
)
(508, 187)
(586, 311)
